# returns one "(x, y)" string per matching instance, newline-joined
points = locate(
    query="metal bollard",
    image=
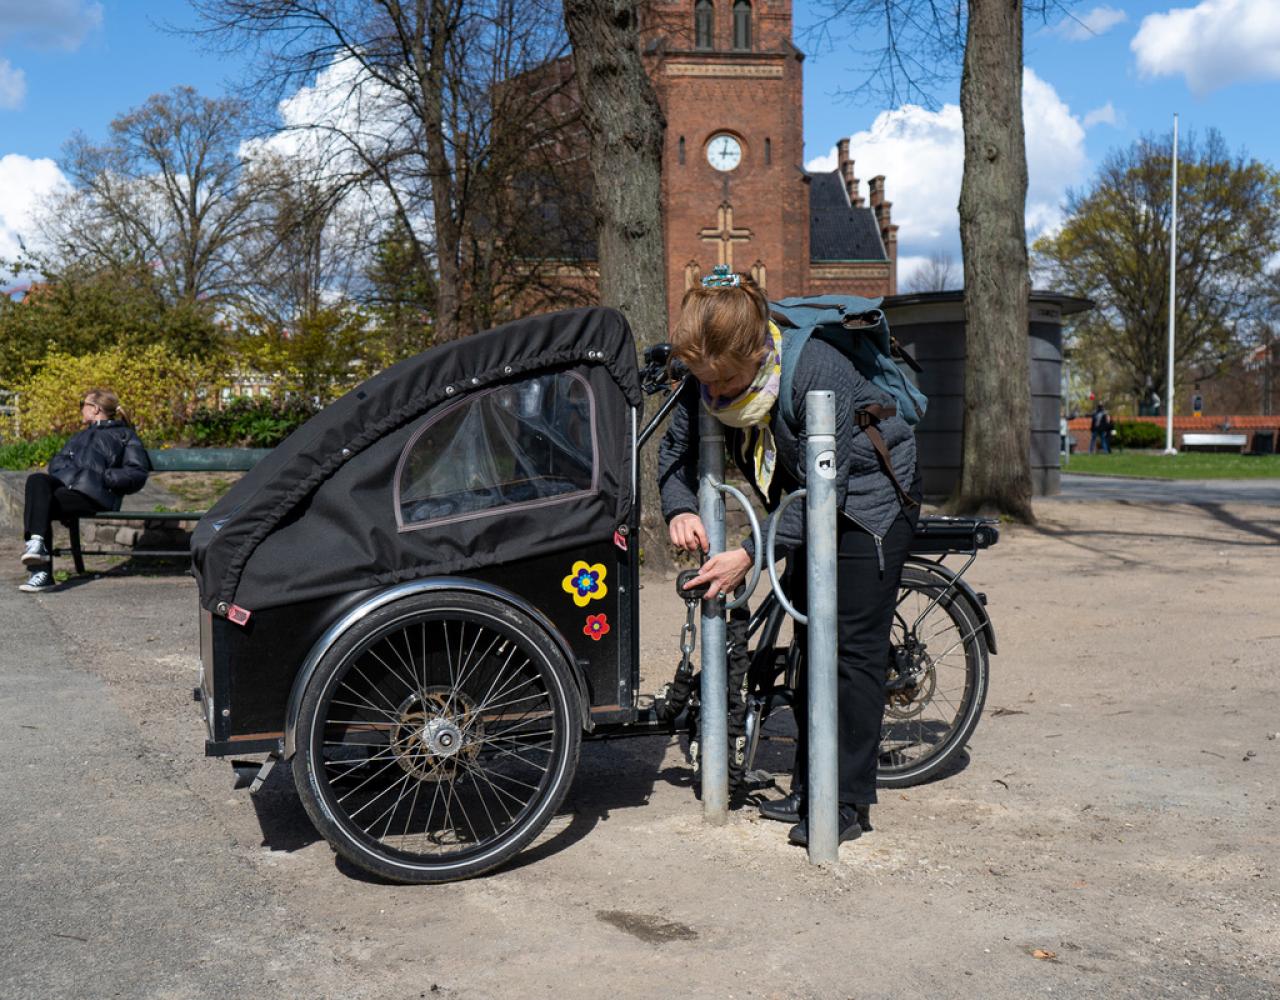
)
(820, 514)
(714, 712)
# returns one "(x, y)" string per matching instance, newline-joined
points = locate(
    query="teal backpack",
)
(857, 328)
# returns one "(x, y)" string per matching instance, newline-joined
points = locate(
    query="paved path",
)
(1205, 491)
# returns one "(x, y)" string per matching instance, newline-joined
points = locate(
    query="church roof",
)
(837, 230)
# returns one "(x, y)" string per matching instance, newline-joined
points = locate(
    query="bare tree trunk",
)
(431, 73)
(626, 126)
(997, 398)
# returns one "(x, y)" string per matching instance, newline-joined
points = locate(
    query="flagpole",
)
(1169, 449)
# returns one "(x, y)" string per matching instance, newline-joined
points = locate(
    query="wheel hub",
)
(911, 681)
(442, 737)
(436, 732)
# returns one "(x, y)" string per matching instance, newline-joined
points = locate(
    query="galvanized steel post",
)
(713, 752)
(820, 517)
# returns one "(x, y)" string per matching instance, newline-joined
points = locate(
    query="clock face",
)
(724, 152)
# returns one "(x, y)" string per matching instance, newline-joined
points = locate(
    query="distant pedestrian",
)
(92, 473)
(1100, 429)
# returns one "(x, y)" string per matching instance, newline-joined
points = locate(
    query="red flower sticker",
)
(597, 627)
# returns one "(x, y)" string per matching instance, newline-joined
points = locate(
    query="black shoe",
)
(850, 820)
(786, 810)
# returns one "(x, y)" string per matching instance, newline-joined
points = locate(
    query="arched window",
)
(704, 17)
(768, 151)
(530, 443)
(742, 24)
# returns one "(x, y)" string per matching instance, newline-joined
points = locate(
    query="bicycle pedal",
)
(758, 780)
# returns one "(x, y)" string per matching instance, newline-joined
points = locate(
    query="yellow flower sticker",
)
(585, 583)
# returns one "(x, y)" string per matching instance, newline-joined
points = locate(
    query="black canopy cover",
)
(319, 516)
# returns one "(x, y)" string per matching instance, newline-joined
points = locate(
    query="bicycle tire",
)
(437, 738)
(941, 636)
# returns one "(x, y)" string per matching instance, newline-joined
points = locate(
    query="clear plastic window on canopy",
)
(532, 442)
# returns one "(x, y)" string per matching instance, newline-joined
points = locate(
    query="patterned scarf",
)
(753, 406)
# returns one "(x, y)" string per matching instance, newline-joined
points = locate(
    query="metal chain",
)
(689, 634)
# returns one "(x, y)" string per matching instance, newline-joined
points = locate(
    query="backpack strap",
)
(868, 417)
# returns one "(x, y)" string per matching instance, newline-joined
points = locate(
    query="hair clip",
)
(721, 277)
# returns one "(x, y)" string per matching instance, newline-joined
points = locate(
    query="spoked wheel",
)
(937, 679)
(437, 737)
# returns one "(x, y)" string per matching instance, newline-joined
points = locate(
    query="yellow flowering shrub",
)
(158, 390)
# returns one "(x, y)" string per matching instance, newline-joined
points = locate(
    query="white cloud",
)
(24, 184)
(13, 85)
(1090, 25)
(56, 24)
(1213, 44)
(342, 102)
(1105, 115)
(921, 154)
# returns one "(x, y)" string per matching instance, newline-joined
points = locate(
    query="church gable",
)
(837, 230)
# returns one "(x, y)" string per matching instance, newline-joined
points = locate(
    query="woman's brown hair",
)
(108, 403)
(721, 329)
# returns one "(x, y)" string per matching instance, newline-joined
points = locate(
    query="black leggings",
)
(47, 500)
(865, 604)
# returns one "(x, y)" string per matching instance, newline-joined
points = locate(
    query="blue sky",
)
(75, 64)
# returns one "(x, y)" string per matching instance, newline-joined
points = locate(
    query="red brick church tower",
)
(734, 186)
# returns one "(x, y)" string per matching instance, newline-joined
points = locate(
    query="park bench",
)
(162, 460)
(1214, 442)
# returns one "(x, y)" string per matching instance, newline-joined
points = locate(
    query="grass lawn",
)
(1185, 465)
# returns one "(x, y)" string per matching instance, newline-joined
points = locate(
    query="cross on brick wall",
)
(724, 235)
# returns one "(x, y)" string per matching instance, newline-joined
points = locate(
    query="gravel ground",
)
(1111, 833)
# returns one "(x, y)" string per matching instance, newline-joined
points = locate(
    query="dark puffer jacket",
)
(105, 461)
(864, 493)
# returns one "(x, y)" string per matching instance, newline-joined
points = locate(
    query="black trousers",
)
(865, 602)
(47, 501)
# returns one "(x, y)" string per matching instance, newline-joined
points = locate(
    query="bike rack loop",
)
(821, 569)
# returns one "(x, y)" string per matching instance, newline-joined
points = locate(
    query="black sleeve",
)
(821, 367)
(63, 466)
(678, 457)
(131, 474)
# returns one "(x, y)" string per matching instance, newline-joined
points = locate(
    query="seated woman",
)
(92, 472)
(726, 339)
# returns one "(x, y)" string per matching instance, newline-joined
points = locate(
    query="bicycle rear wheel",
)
(938, 677)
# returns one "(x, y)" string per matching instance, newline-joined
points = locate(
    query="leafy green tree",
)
(319, 357)
(81, 311)
(401, 295)
(1114, 249)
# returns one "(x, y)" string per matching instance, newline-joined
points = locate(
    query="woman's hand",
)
(687, 533)
(724, 572)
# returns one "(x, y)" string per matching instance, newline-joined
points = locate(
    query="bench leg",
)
(76, 553)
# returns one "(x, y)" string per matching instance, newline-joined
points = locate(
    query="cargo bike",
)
(428, 595)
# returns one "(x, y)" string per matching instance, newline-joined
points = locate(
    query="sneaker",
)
(35, 554)
(38, 581)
